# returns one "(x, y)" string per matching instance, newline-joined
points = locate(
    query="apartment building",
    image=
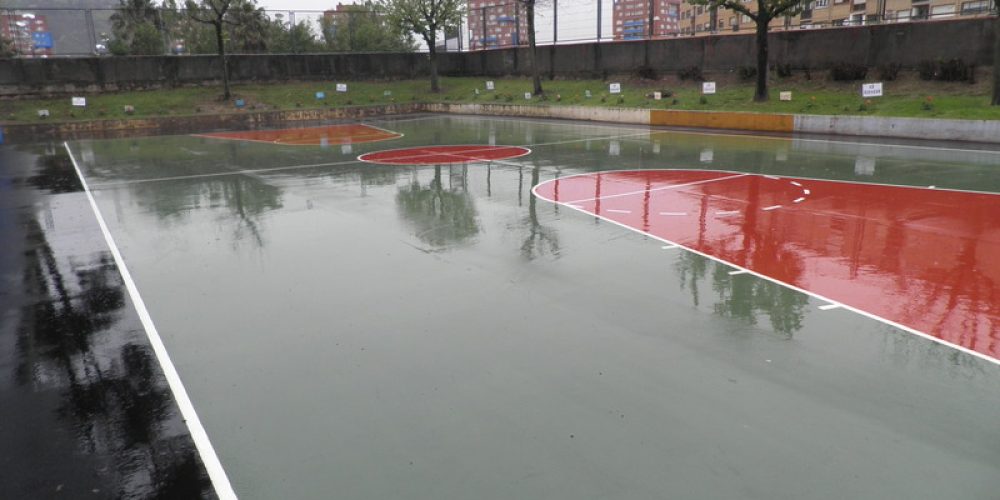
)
(826, 13)
(496, 23)
(29, 34)
(630, 18)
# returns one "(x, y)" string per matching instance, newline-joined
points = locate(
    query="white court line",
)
(618, 211)
(794, 183)
(772, 177)
(828, 307)
(772, 207)
(198, 434)
(664, 188)
(673, 214)
(327, 164)
(724, 213)
(799, 200)
(671, 245)
(738, 271)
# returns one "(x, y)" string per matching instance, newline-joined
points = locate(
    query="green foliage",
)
(424, 17)
(362, 29)
(6, 48)
(295, 39)
(136, 28)
(747, 73)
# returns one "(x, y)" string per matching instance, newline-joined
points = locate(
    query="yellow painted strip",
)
(734, 121)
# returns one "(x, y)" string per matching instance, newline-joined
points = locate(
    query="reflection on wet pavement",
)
(84, 409)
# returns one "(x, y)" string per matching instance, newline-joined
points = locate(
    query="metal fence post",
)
(599, 2)
(482, 36)
(555, 21)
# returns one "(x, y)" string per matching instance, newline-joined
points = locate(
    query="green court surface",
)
(354, 330)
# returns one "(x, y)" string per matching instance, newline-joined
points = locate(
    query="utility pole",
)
(555, 21)
(599, 2)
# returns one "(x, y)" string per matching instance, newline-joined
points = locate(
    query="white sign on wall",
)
(871, 89)
(490, 86)
(708, 88)
(341, 87)
(657, 96)
(527, 95)
(615, 88)
(80, 101)
(785, 96)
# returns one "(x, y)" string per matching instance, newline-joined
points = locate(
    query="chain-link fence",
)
(488, 24)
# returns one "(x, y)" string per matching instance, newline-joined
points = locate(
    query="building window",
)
(941, 11)
(975, 7)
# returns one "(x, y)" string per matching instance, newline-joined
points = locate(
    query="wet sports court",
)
(462, 307)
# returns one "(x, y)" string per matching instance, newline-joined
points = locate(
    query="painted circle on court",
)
(441, 155)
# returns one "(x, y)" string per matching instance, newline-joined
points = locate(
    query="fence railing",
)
(46, 32)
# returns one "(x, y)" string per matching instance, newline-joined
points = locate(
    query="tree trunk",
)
(760, 94)
(431, 42)
(536, 79)
(221, 45)
(996, 59)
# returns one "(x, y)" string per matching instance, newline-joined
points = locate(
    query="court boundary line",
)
(332, 164)
(814, 295)
(216, 473)
(208, 135)
(664, 188)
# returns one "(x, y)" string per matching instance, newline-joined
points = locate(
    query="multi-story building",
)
(29, 33)
(631, 18)
(496, 23)
(826, 13)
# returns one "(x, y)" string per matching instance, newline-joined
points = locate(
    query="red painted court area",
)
(442, 155)
(311, 136)
(924, 259)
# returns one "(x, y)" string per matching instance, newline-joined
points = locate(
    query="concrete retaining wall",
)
(985, 131)
(615, 115)
(915, 128)
(907, 44)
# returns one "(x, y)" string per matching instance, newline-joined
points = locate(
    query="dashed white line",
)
(806, 192)
(673, 214)
(664, 188)
(772, 207)
(796, 184)
(725, 213)
(618, 211)
(799, 200)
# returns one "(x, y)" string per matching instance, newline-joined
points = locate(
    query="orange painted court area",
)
(311, 136)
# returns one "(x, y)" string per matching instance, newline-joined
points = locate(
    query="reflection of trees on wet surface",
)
(742, 297)
(540, 239)
(112, 396)
(442, 217)
(243, 199)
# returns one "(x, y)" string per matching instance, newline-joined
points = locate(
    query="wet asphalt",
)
(348, 330)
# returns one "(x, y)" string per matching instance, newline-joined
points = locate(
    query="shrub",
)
(848, 72)
(691, 73)
(783, 70)
(747, 72)
(889, 72)
(954, 70)
(646, 72)
(926, 69)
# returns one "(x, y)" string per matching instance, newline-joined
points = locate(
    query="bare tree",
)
(214, 12)
(996, 54)
(426, 18)
(529, 11)
(767, 10)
